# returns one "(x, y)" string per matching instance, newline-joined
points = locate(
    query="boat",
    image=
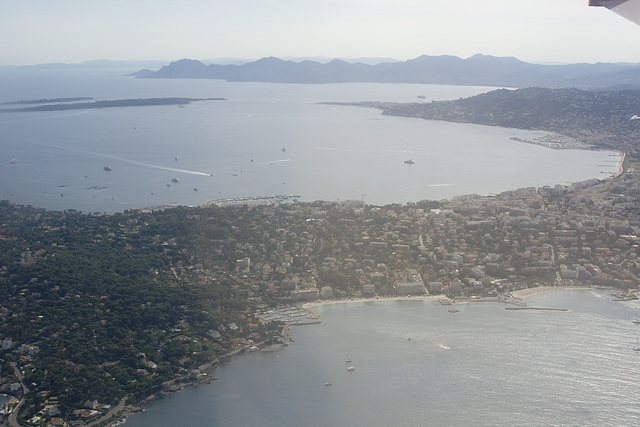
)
(176, 180)
(351, 368)
(284, 149)
(108, 168)
(348, 360)
(453, 310)
(328, 383)
(410, 162)
(195, 188)
(636, 321)
(13, 161)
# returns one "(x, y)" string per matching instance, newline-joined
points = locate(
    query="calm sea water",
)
(234, 148)
(483, 366)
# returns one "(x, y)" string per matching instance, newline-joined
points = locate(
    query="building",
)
(306, 294)
(368, 290)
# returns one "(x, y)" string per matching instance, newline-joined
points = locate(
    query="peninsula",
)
(96, 309)
(601, 119)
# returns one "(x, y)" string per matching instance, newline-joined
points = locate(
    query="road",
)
(13, 417)
(113, 411)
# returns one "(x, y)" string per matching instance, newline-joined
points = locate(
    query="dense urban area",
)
(96, 309)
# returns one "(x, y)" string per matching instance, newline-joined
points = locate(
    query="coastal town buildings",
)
(277, 256)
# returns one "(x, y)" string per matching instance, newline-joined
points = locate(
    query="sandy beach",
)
(515, 295)
(318, 303)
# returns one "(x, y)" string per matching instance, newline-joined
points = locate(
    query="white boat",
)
(636, 321)
(328, 383)
(107, 168)
(351, 368)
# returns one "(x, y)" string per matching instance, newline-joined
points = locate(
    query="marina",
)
(288, 315)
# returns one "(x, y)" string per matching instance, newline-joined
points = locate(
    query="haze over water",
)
(266, 139)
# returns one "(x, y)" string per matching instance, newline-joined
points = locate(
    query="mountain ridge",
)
(477, 70)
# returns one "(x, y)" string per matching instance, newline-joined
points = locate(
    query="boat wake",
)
(444, 347)
(440, 185)
(122, 159)
(166, 168)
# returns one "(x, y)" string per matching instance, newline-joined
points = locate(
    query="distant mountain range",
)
(478, 70)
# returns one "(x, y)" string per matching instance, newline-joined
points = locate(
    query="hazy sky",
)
(543, 31)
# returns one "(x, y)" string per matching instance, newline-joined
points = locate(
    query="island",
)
(47, 101)
(140, 102)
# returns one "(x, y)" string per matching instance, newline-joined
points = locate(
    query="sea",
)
(264, 140)
(417, 364)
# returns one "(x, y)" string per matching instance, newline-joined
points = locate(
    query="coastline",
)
(514, 298)
(559, 141)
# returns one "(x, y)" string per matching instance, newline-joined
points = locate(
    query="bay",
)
(482, 366)
(266, 139)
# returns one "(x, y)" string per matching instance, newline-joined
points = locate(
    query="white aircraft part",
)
(629, 9)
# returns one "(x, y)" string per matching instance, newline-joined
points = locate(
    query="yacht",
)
(351, 368)
(108, 168)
